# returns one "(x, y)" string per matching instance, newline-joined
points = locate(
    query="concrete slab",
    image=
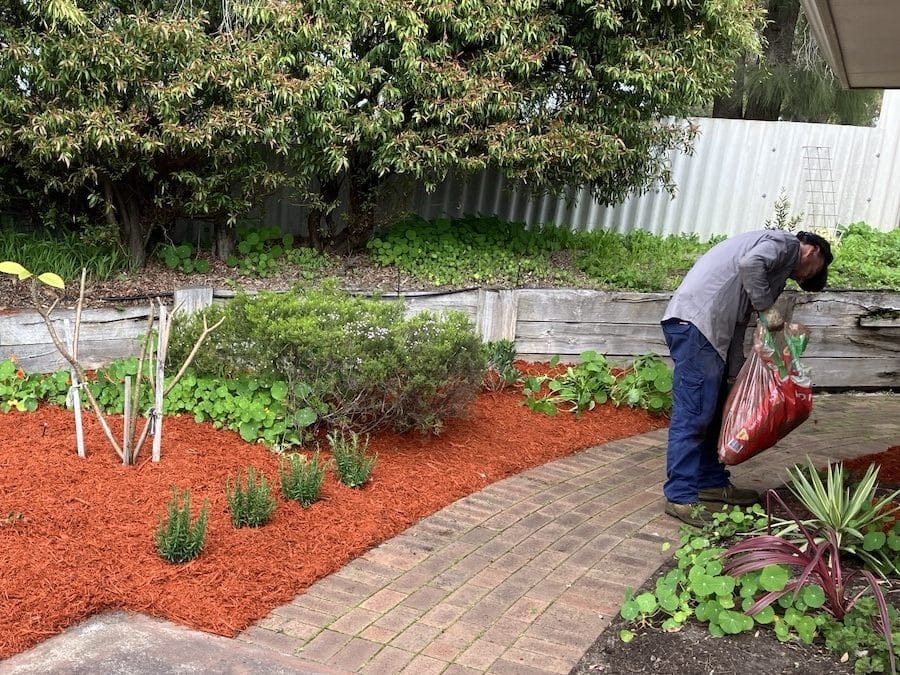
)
(121, 643)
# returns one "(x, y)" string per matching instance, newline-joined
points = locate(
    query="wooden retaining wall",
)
(854, 341)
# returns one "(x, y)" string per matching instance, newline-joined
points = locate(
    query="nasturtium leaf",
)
(646, 602)
(279, 390)
(874, 540)
(626, 635)
(813, 596)
(774, 577)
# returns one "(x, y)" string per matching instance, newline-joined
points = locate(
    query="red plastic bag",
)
(771, 397)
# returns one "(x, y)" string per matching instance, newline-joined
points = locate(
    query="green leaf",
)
(52, 280)
(249, 431)
(10, 267)
(646, 603)
(774, 577)
(279, 390)
(626, 635)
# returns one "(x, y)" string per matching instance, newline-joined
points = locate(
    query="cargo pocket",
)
(691, 397)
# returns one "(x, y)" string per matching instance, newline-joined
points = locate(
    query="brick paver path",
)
(523, 576)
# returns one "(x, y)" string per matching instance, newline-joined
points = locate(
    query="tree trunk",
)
(225, 240)
(124, 210)
(320, 221)
(779, 52)
(731, 106)
(361, 199)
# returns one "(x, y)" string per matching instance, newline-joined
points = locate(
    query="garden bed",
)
(693, 651)
(86, 526)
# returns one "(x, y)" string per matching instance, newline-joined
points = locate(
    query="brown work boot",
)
(729, 494)
(692, 514)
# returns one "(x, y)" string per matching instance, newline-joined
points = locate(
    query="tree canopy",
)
(147, 111)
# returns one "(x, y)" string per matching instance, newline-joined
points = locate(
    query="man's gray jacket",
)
(743, 273)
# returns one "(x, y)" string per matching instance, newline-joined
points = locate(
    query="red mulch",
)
(888, 465)
(85, 542)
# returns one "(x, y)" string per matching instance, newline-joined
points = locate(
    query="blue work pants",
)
(698, 393)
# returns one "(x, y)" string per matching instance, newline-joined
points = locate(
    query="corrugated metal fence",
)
(832, 174)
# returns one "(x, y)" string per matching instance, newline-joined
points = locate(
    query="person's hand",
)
(773, 319)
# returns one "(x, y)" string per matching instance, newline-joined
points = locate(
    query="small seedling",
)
(250, 502)
(177, 539)
(301, 478)
(351, 462)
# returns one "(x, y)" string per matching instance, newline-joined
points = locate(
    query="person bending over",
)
(704, 326)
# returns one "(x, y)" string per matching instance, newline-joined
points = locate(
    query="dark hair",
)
(817, 282)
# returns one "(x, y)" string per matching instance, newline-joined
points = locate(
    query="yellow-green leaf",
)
(53, 280)
(10, 267)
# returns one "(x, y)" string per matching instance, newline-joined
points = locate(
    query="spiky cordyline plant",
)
(819, 562)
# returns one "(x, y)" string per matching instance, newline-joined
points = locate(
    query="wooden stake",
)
(161, 350)
(126, 432)
(75, 394)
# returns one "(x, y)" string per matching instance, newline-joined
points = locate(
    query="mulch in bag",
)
(771, 396)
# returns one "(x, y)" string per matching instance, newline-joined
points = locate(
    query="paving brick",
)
(554, 650)
(453, 641)
(388, 660)
(485, 613)
(325, 645)
(514, 666)
(467, 595)
(425, 665)
(478, 535)
(460, 572)
(528, 659)
(311, 609)
(526, 609)
(442, 615)
(425, 598)
(457, 669)
(411, 581)
(300, 630)
(489, 577)
(378, 634)
(383, 600)
(480, 654)
(354, 654)
(354, 621)
(505, 631)
(398, 618)
(416, 637)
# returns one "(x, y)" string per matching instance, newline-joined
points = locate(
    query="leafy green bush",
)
(647, 384)
(479, 249)
(177, 538)
(301, 477)
(639, 260)
(866, 258)
(264, 251)
(181, 257)
(250, 501)
(344, 359)
(23, 392)
(580, 387)
(352, 463)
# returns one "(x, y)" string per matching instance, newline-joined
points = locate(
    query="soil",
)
(355, 272)
(693, 651)
(77, 535)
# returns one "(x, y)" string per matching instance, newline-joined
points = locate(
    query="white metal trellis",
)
(821, 205)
